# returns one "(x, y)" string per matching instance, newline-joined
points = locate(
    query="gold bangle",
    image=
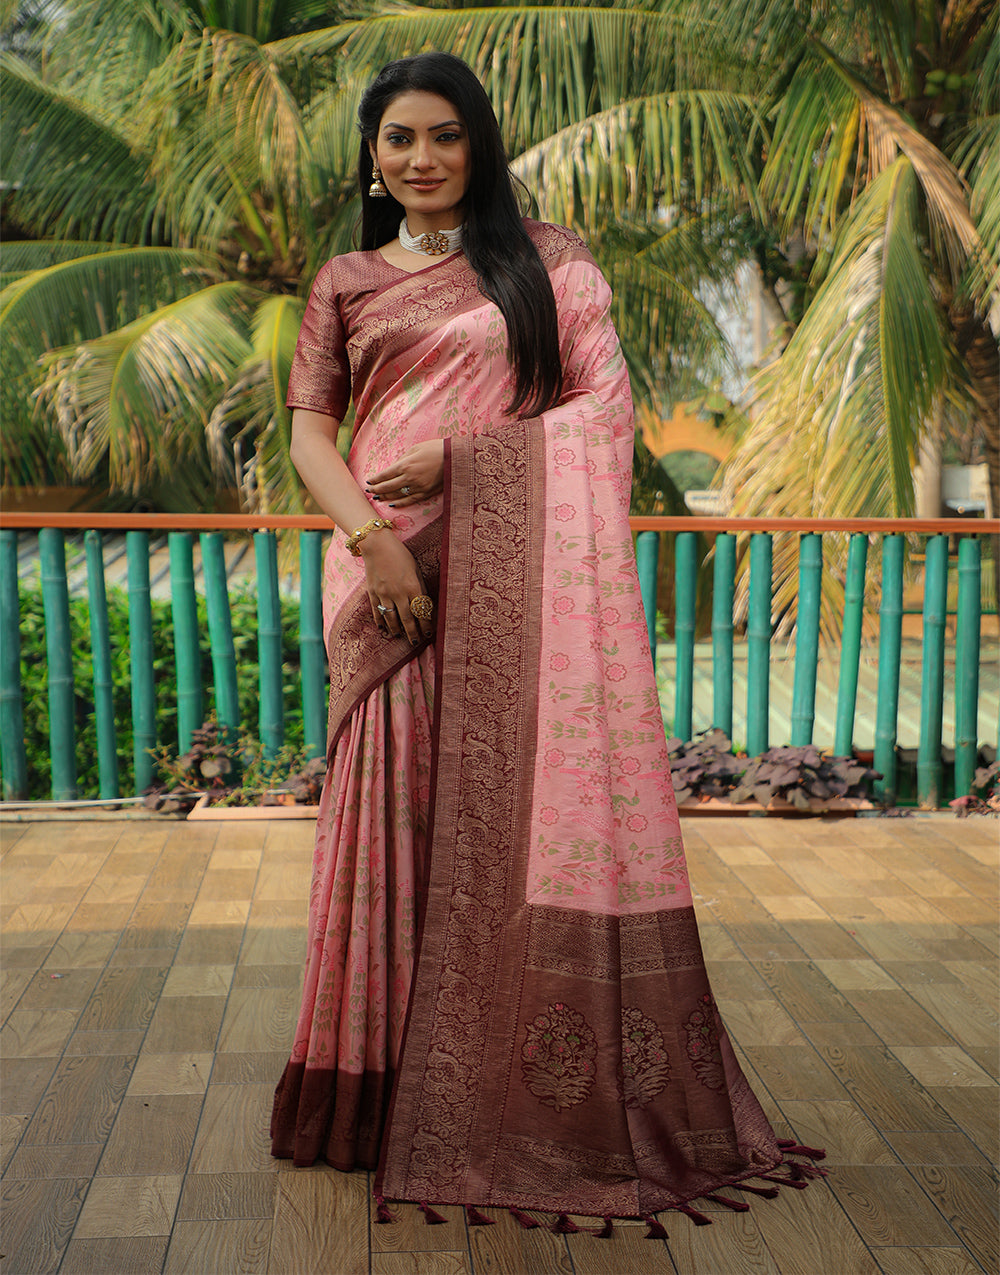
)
(356, 537)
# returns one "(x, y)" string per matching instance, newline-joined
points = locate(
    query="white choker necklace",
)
(435, 243)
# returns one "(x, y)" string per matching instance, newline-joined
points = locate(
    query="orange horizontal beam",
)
(167, 522)
(880, 526)
(640, 522)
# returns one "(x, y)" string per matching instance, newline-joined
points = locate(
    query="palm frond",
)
(250, 428)
(82, 296)
(139, 398)
(672, 343)
(101, 51)
(859, 378)
(664, 148)
(239, 132)
(832, 136)
(816, 151)
(544, 67)
(978, 159)
(761, 31)
(836, 419)
(70, 173)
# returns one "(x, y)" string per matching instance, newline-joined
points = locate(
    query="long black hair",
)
(498, 247)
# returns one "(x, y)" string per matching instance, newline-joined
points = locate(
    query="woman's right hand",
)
(394, 579)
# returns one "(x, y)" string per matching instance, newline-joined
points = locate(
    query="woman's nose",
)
(421, 156)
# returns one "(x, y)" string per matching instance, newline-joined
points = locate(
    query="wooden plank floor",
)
(151, 981)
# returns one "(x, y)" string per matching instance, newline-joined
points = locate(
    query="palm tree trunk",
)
(982, 358)
(927, 474)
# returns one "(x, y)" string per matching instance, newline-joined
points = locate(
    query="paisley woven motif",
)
(702, 1028)
(558, 1058)
(645, 1067)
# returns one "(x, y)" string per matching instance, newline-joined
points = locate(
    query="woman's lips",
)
(426, 185)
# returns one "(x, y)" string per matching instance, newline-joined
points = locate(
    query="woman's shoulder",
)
(351, 272)
(556, 243)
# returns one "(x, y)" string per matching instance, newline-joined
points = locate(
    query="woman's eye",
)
(447, 137)
(397, 139)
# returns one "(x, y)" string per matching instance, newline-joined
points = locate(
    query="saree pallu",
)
(562, 1049)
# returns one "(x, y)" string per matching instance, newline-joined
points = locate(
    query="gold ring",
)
(422, 607)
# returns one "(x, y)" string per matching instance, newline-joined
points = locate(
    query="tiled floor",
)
(151, 975)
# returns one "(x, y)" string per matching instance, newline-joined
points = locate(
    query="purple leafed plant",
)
(801, 775)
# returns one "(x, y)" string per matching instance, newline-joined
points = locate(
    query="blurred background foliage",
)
(175, 173)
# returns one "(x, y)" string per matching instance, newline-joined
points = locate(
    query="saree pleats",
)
(370, 844)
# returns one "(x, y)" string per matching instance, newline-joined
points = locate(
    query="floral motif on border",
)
(644, 1070)
(703, 1047)
(559, 1057)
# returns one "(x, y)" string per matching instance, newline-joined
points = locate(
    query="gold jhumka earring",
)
(376, 190)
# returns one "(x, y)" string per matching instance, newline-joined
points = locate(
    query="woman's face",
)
(423, 151)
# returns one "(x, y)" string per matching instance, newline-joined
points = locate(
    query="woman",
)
(501, 930)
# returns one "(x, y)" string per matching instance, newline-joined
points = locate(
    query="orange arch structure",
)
(685, 431)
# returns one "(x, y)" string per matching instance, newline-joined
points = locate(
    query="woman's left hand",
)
(415, 477)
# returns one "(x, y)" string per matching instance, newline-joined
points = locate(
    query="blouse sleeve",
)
(320, 378)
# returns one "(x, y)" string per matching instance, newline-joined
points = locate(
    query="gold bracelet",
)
(356, 537)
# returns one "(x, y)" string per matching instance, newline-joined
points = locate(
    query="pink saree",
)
(501, 928)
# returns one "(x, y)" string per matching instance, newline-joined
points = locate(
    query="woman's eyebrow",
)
(433, 128)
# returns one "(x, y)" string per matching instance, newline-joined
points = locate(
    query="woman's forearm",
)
(321, 467)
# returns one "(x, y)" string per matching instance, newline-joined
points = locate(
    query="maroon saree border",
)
(487, 675)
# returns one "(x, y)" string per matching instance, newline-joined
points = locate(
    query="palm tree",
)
(179, 171)
(881, 176)
(186, 167)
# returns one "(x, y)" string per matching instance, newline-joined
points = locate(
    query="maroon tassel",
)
(767, 1192)
(699, 1219)
(431, 1216)
(738, 1206)
(563, 1225)
(793, 1148)
(476, 1218)
(382, 1213)
(523, 1219)
(656, 1230)
(606, 1231)
(799, 1186)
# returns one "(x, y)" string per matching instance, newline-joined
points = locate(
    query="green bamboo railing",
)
(100, 648)
(759, 644)
(685, 624)
(850, 644)
(890, 641)
(220, 631)
(222, 691)
(723, 594)
(187, 651)
(140, 642)
(59, 656)
(12, 755)
(929, 767)
(312, 655)
(759, 627)
(272, 710)
(807, 639)
(967, 663)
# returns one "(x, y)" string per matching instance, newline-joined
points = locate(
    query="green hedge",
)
(34, 681)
